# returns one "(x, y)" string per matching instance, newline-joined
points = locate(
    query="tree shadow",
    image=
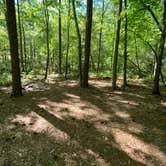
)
(120, 128)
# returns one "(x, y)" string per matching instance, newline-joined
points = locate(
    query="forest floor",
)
(57, 123)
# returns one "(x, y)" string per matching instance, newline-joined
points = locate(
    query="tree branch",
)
(153, 15)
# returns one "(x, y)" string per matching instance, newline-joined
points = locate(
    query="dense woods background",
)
(127, 39)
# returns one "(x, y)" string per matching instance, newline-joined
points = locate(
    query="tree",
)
(162, 28)
(100, 37)
(156, 88)
(116, 51)
(47, 37)
(87, 42)
(60, 39)
(68, 40)
(79, 42)
(20, 36)
(12, 30)
(125, 48)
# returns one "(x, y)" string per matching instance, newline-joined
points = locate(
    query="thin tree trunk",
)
(116, 51)
(60, 39)
(31, 55)
(12, 30)
(93, 68)
(136, 56)
(25, 51)
(87, 42)
(68, 40)
(100, 38)
(125, 47)
(156, 87)
(47, 40)
(20, 36)
(79, 43)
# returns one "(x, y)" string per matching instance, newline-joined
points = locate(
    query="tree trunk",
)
(156, 87)
(25, 51)
(47, 40)
(79, 42)
(125, 47)
(20, 36)
(68, 40)
(12, 30)
(87, 42)
(100, 39)
(60, 39)
(116, 51)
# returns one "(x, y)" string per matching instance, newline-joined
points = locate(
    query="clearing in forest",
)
(57, 123)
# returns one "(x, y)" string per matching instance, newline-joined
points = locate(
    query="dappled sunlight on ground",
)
(122, 114)
(137, 149)
(94, 126)
(128, 102)
(74, 107)
(33, 122)
(99, 159)
(163, 103)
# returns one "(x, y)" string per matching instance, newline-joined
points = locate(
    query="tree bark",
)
(47, 39)
(156, 87)
(125, 47)
(68, 39)
(12, 30)
(100, 38)
(87, 42)
(25, 50)
(79, 43)
(20, 36)
(116, 51)
(60, 39)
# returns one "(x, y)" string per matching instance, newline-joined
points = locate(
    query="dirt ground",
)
(58, 124)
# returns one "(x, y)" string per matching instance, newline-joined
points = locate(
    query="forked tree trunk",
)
(156, 87)
(12, 30)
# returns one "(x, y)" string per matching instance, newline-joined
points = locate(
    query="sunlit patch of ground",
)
(35, 123)
(139, 150)
(57, 123)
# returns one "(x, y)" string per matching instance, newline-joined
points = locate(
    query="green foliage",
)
(5, 79)
(141, 27)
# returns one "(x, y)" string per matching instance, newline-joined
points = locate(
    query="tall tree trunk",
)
(68, 40)
(24, 47)
(156, 87)
(20, 36)
(60, 39)
(100, 38)
(136, 57)
(116, 51)
(87, 42)
(79, 42)
(12, 30)
(47, 39)
(125, 47)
